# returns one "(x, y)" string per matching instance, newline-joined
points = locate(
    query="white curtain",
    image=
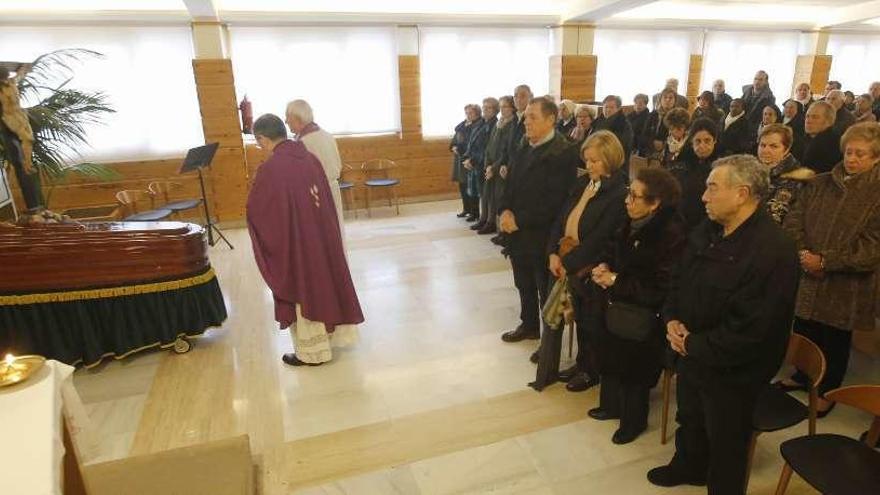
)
(855, 60)
(640, 61)
(465, 65)
(146, 73)
(735, 57)
(347, 74)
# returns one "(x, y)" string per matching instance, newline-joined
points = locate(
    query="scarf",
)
(636, 225)
(675, 145)
(731, 119)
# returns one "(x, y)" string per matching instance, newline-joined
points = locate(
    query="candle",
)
(8, 361)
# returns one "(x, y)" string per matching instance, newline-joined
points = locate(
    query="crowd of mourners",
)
(695, 241)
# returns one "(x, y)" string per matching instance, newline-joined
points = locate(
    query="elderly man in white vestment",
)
(320, 143)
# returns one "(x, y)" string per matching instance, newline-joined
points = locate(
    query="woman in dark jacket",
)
(787, 176)
(458, 147)
(793, 113)
(736, 137)
(655, 133)
(593, 212)
(636, 272)
(638, 118)
(706, 109)
(692, 169)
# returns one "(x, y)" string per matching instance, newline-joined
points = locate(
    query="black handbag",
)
(631, 321)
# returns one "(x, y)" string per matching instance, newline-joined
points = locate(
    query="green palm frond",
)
(61, 115)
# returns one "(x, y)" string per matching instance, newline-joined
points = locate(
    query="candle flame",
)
(9, 359)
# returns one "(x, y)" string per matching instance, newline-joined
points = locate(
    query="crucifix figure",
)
(16, 134)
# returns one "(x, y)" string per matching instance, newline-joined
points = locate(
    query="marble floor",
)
(430, 401)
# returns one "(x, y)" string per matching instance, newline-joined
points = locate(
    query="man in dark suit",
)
(755, 97)
(822, 143)
(843, 118)
(729, 314)
(544, 167)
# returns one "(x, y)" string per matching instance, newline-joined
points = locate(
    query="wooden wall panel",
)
(573, 77)
(694, 81)
(813, 70)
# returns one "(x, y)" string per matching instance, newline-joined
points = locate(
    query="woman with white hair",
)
(584, 117)
(566, 122)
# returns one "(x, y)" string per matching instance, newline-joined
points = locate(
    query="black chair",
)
(131, 202)
(164, 190)
(836, 464)
(775, 409)
(347, 189)
(377, 177)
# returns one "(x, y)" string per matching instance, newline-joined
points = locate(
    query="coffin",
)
(81, 292)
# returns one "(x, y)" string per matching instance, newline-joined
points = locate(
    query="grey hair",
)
(301, 110)
(746, 170)
(826, 108)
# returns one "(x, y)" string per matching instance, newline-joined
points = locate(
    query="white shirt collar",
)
(546, 139)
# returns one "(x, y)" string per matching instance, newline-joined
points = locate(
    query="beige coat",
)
(840, 219)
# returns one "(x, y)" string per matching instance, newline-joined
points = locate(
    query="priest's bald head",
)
(298, 115)
(269, 130)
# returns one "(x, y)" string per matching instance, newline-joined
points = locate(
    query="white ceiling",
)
(791, 14)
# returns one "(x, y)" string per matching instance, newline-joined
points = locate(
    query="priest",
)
(298, 247)
(320, 143)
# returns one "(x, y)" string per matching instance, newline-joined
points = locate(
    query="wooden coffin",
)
(96, 255)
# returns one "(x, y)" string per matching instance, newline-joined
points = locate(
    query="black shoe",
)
(477, 226)
(462, 214)
(600, 414)
(567, 374)
(534, 357)
(498, 240)
(292, 360)
(472, 218)
(622, 436)
(668, 476)
(520, 334)
(826, 412)
(487, 229)
(581, 382)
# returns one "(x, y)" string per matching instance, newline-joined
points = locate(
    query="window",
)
(465, 65)
(348, 75)
(633, 62)
(854, 60)
(736, 56)
(146, 73)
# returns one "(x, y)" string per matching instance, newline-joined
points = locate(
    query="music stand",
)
(196, 159)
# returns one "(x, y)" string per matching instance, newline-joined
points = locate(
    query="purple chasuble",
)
(297, 245)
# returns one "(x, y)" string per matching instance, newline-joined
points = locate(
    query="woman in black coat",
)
(592, 213)
(636, 272)
(692, 169)
(793, 113)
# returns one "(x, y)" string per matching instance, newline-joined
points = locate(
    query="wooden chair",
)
(775, 409)
(834, 463)
(132, 202)
(347, 189)
(376, 172)
(164, 189)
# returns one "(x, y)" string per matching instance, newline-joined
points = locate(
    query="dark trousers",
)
(715, 426)
(29, 183)
(530, 275)
(835, 345)
(493, 189)
(465, 199)
(588, 312)
(626, 400)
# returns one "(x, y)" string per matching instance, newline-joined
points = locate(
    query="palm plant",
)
(60, 117)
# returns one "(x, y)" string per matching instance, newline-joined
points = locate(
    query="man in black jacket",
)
(638, 118)
(614, 120)
(729, 314)
(755, 97)
(544, 167)
(821, 143)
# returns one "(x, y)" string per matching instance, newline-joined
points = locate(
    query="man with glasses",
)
(728, 317)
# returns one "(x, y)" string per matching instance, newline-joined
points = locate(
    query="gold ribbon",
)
(82, 295)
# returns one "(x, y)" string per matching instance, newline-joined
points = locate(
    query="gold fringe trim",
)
(124, 355)
(82, 295)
